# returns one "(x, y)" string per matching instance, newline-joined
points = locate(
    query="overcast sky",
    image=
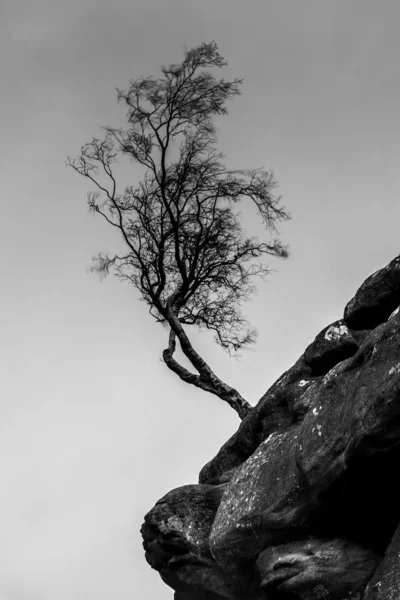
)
(94, 428)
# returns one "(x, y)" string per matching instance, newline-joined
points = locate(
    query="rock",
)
(355, 409)
(176, 533)
(197, 595)
(385, 584)
(316, 568)
(376, 299)
(264, 501)
(331, 346)
(276, 411)
(303, 500)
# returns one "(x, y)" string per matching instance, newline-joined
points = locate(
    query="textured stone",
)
(277, 410)
(303, 500)
(385, 584)
(355, 408)
(376, 299)
(265, 499)
(176, 533)
(332, 345)
(316, 568)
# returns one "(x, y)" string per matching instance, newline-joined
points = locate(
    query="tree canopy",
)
(186, 250)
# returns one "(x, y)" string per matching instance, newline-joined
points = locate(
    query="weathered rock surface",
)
(385, 584)
(376, 299)
(334, 344)
(303, 501)
(176, 540)
(314, 568)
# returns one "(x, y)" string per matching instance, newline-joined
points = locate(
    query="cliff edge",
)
(303, 501)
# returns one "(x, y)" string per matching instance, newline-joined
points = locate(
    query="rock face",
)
(303, 500)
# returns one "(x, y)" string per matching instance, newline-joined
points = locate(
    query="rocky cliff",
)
(303, 501)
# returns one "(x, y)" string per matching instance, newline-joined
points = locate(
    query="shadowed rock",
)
(385, 584)
(276, 411)
(314, 568)
(376, 299)
(197, 595)
(176, 539)
(331, 346)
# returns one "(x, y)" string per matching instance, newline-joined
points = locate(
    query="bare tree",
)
(186, 251)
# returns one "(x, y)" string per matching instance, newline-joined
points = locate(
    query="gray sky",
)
(94, 428)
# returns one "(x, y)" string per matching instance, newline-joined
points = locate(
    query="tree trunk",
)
(206, 380)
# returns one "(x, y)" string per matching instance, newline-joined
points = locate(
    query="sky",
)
(94, 428)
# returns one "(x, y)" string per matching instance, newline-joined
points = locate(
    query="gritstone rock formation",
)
(303, 501)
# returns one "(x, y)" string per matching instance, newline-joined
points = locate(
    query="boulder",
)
(276, 411)
(385, 584)
(316, 568)
(332, 345)
(303, 500)
(376, 299)
(176, 540)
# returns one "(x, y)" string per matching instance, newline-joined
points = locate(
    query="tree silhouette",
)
(186, 251)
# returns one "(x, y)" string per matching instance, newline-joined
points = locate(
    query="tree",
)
(186, 251)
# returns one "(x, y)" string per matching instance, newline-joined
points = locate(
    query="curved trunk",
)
(207, 380)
